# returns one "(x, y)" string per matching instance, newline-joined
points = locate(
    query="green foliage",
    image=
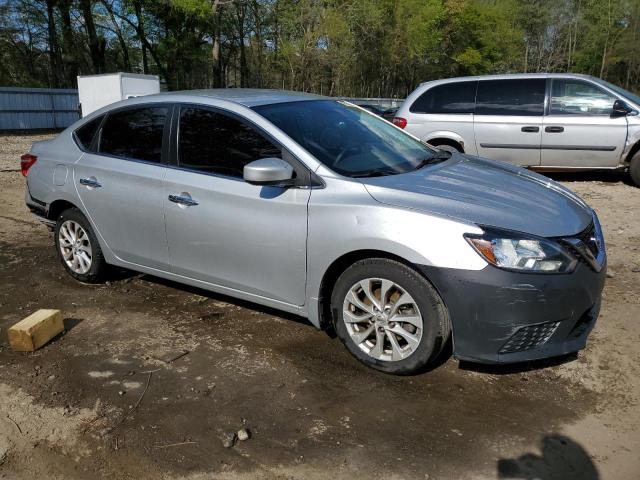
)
(336, 47)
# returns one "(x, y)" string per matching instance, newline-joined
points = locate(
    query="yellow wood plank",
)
(34, 331)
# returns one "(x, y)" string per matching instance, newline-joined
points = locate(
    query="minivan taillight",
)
(400, 122)
(26, 162)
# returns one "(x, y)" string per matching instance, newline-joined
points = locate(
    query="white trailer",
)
(97, 91)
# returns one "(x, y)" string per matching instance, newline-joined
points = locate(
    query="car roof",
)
(249, 97)
(507, 76)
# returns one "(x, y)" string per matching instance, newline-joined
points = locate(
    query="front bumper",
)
(499, 316)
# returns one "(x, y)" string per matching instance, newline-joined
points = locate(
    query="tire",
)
(87, 265)
(448, 148)
(411, 354)
(634, 169)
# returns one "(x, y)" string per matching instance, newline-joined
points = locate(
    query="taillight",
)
(400, 122)
(26, 162)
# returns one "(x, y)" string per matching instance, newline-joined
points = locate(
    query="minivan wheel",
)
(634, 169)
(78, 247)
(448, 148)
(389, 316)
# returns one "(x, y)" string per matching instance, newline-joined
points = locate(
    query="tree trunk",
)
(96, 44)
(69, 54)
(121, 40)
(54, 50)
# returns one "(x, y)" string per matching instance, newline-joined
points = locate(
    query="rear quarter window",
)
(456, 97)
(85, 134)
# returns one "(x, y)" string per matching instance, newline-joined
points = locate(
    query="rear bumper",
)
(499, 316)
(38, 208)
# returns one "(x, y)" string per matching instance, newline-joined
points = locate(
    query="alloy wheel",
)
(382, 319)
(75, 247)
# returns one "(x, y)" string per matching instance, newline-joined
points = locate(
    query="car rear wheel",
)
(634, 169)
(389, 316)
(78, 247)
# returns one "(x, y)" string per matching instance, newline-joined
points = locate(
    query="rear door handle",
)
(554, 129)
(530, 129)
(185, 200)
(90, 182)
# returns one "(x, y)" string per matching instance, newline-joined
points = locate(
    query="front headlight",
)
(516, 251)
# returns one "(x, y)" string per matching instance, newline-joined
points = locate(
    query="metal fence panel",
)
(37, 108)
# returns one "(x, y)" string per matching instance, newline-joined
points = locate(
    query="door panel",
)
(583, 142)
(223, 230)
(126, 208)
(508, 119)
(580, 130)
(513, 139)
(240, 236)
(119, 180)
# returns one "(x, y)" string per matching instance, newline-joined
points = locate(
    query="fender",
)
(449, 135)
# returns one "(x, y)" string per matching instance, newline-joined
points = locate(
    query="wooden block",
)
(34, 331)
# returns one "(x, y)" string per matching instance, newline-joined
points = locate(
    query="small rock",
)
(51, 377)
(121, 392)
(243, 434)
(611, 274)
(228, 440)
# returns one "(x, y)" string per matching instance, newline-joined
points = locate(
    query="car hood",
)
(486, 192)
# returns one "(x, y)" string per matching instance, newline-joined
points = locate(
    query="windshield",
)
(621, 91)
(348, 140)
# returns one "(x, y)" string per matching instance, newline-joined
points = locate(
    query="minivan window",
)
(621, 91)
(347, 139)
(456, 97)
(511, 97)
(84, 135)
(134, 133)
(575, 97)
(212, 142)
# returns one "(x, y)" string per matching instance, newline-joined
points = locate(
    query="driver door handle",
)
(530, 129)
(185, 200)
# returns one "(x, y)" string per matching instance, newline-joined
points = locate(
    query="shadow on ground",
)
(561, 459)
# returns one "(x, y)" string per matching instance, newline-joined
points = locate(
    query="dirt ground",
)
(150, 375)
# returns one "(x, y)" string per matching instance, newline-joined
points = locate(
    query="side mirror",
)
(620, 109)
(268, 171)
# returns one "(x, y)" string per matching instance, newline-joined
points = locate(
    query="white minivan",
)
(540, 121)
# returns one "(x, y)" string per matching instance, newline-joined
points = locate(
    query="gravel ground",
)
(151, 377)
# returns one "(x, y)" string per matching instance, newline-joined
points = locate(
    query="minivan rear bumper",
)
(499, 316)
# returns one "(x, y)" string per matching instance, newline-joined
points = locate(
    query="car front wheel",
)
(389, 316)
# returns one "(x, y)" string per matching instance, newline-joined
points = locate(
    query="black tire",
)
(634, 169)
(436, 327)
(448, 148)
(98, 267)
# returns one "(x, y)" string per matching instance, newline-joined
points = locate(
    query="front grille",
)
(588, 237)
(586, 246)
(529, 337)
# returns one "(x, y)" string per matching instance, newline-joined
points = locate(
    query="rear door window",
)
(85, 134)
(511, 97)
(574, 97)
(134, 133)
(457, 97)
(212, 142)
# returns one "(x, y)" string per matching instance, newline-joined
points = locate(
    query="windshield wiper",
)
(382, 172)
(438, 156)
